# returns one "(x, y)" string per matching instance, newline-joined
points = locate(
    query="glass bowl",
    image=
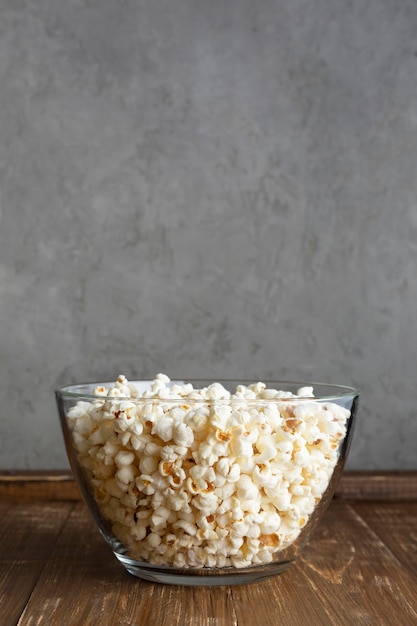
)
(206, 483)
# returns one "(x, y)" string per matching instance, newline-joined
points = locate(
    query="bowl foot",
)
(204, 577)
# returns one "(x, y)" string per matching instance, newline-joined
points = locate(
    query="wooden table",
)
(359, 568)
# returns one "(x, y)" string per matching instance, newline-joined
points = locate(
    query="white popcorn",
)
(266, 447)
(206, 502)
(246, 488)
(114, 393)
(241, 446)
(223, 467)
(197, 420)
(127, 474)
(145, 484)
(148, 464)
(123, 458)
(153, 540)
(205, 477)
(234, 473)
(187, 526)
(160, 516)
(270, 523)
(164, 428)
(183, 435)
(163, 378)
(216, 391)
(263, 476)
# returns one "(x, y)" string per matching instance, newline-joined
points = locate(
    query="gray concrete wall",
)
(206, 188)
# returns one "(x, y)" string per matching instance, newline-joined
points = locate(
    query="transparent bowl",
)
(207, 491)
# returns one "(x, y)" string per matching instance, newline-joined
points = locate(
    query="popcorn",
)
(196, 478)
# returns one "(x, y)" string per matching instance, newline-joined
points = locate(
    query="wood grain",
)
(346, 576)
(359, 568)
(83, 574)
(40, 485)
(377, 485)
(396, 526)
(355, 575)
(27, 536)
(56, 570)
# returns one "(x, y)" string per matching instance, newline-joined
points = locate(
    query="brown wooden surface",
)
(380, 485)
(360, 567)
(354, 485)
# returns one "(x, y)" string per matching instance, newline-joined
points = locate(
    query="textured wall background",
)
(208, 189)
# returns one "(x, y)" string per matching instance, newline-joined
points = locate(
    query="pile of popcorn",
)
(202, 477)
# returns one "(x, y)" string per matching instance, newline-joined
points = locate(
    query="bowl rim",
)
(340, 391)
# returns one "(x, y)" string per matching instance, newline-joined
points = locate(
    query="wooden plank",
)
(5, 507)
(377, 485)
(347, 575)
(78, 580)
(358, 568)
(356, 577)
(60, 485)
(396, 525)
(40, 485)
(27, 536)
(287, 600)
(169, 605)
(84, 584)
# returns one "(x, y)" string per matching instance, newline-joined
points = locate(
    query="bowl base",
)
(201, 577)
